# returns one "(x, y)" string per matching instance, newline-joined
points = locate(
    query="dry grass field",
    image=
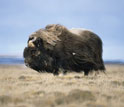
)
(23, 87)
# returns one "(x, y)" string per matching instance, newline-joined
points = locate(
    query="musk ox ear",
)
(55, 28)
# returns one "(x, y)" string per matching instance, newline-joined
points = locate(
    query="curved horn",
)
(30, 42)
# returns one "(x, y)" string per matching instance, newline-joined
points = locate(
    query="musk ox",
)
(56, 47)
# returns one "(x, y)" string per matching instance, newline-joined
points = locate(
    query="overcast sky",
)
(19, 18)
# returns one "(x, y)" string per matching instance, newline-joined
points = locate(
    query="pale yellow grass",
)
(23, 87)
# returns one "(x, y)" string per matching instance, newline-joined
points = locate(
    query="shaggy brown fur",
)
(76, 50)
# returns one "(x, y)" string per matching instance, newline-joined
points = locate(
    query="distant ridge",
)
(114, 62)
(20, 60)
(10, 56)
(11, 60)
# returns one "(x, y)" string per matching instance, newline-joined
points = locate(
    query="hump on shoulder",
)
(79, 31)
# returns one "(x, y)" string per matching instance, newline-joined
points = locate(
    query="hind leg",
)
(55, 72)
(65, 72)
(55, 68)
(86, 72)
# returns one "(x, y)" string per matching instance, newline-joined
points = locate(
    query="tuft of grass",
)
(117, 83)
(80, 95)
(4, 99)
(77, 96)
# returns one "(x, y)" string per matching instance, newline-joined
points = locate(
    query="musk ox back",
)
(57, 47)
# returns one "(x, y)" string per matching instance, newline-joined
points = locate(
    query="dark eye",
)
(38, 42)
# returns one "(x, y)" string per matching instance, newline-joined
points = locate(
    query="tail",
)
(102, 68)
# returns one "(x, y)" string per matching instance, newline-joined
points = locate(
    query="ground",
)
(22, 87)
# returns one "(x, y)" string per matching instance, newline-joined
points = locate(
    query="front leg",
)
(55, 68)
(56, 72)
(86, 72)
(65, 72)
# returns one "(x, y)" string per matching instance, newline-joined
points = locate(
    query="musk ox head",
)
(39, 48)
